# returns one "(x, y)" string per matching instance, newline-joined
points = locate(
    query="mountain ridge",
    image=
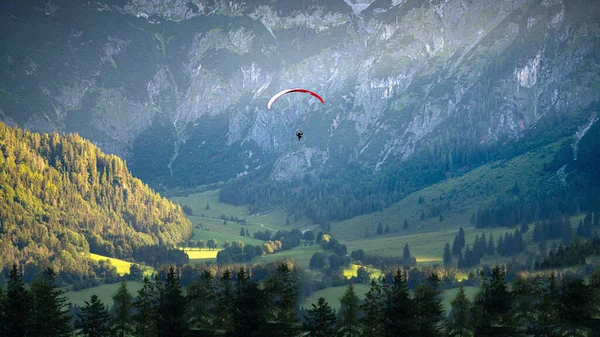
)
(180, 91)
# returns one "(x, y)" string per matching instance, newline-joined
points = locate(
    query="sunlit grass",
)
(426, 259)
(122, 266)
(195, 254)
(352, 271)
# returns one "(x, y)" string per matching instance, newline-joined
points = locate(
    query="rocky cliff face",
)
(192, 78)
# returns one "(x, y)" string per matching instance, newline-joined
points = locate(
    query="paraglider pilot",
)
(299, 134)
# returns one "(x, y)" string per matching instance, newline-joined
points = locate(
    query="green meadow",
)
(121, 265)
(197, 202)
(300, 254)
(333, 294)
(104, 292)
(460, 196)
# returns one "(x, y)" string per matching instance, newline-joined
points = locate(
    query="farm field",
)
(121, 265)
(198, 256)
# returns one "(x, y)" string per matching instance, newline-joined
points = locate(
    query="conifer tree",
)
(387, 229)
(249, 309)
(201, 301)
(321, 320)
(482, 246)
(121, 316)
(399, 312)
(405, 225)
(284, 292)
(546, 310)
(171, 307)
(458, 323)
(461, 261)
(146, 305)
(429, 312)
(447, 256)
(373, 307)
(17, 305)
(349, 313)
(491, 249)
(461, 238)
(222, 311)
(492, 310)
(379, 229)
(578, 306)
(49, 312)
(469, 260)
(516, 190)
(406, 256)
(500, 249)
(93, 319)
(456, 248)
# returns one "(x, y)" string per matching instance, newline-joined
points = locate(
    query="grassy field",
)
(121, 265)
(352, 270)
(301, 254)
(275, 219)
(426, 247)
(332, 295)
(462, 195)
(214, 229)
(200, 256)
(104, 292)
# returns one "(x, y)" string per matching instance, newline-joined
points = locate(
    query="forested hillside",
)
(61, 197)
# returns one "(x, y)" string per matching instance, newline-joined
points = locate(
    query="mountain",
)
(62, 198)
(179, 88)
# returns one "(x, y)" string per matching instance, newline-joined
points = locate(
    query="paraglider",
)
(300, 133)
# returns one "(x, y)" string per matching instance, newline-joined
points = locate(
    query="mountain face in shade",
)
(180, 88)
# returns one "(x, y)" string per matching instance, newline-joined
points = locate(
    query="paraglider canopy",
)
(274, 98)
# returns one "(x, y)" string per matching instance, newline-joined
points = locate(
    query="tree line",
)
(508, 245)
(233, 303)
